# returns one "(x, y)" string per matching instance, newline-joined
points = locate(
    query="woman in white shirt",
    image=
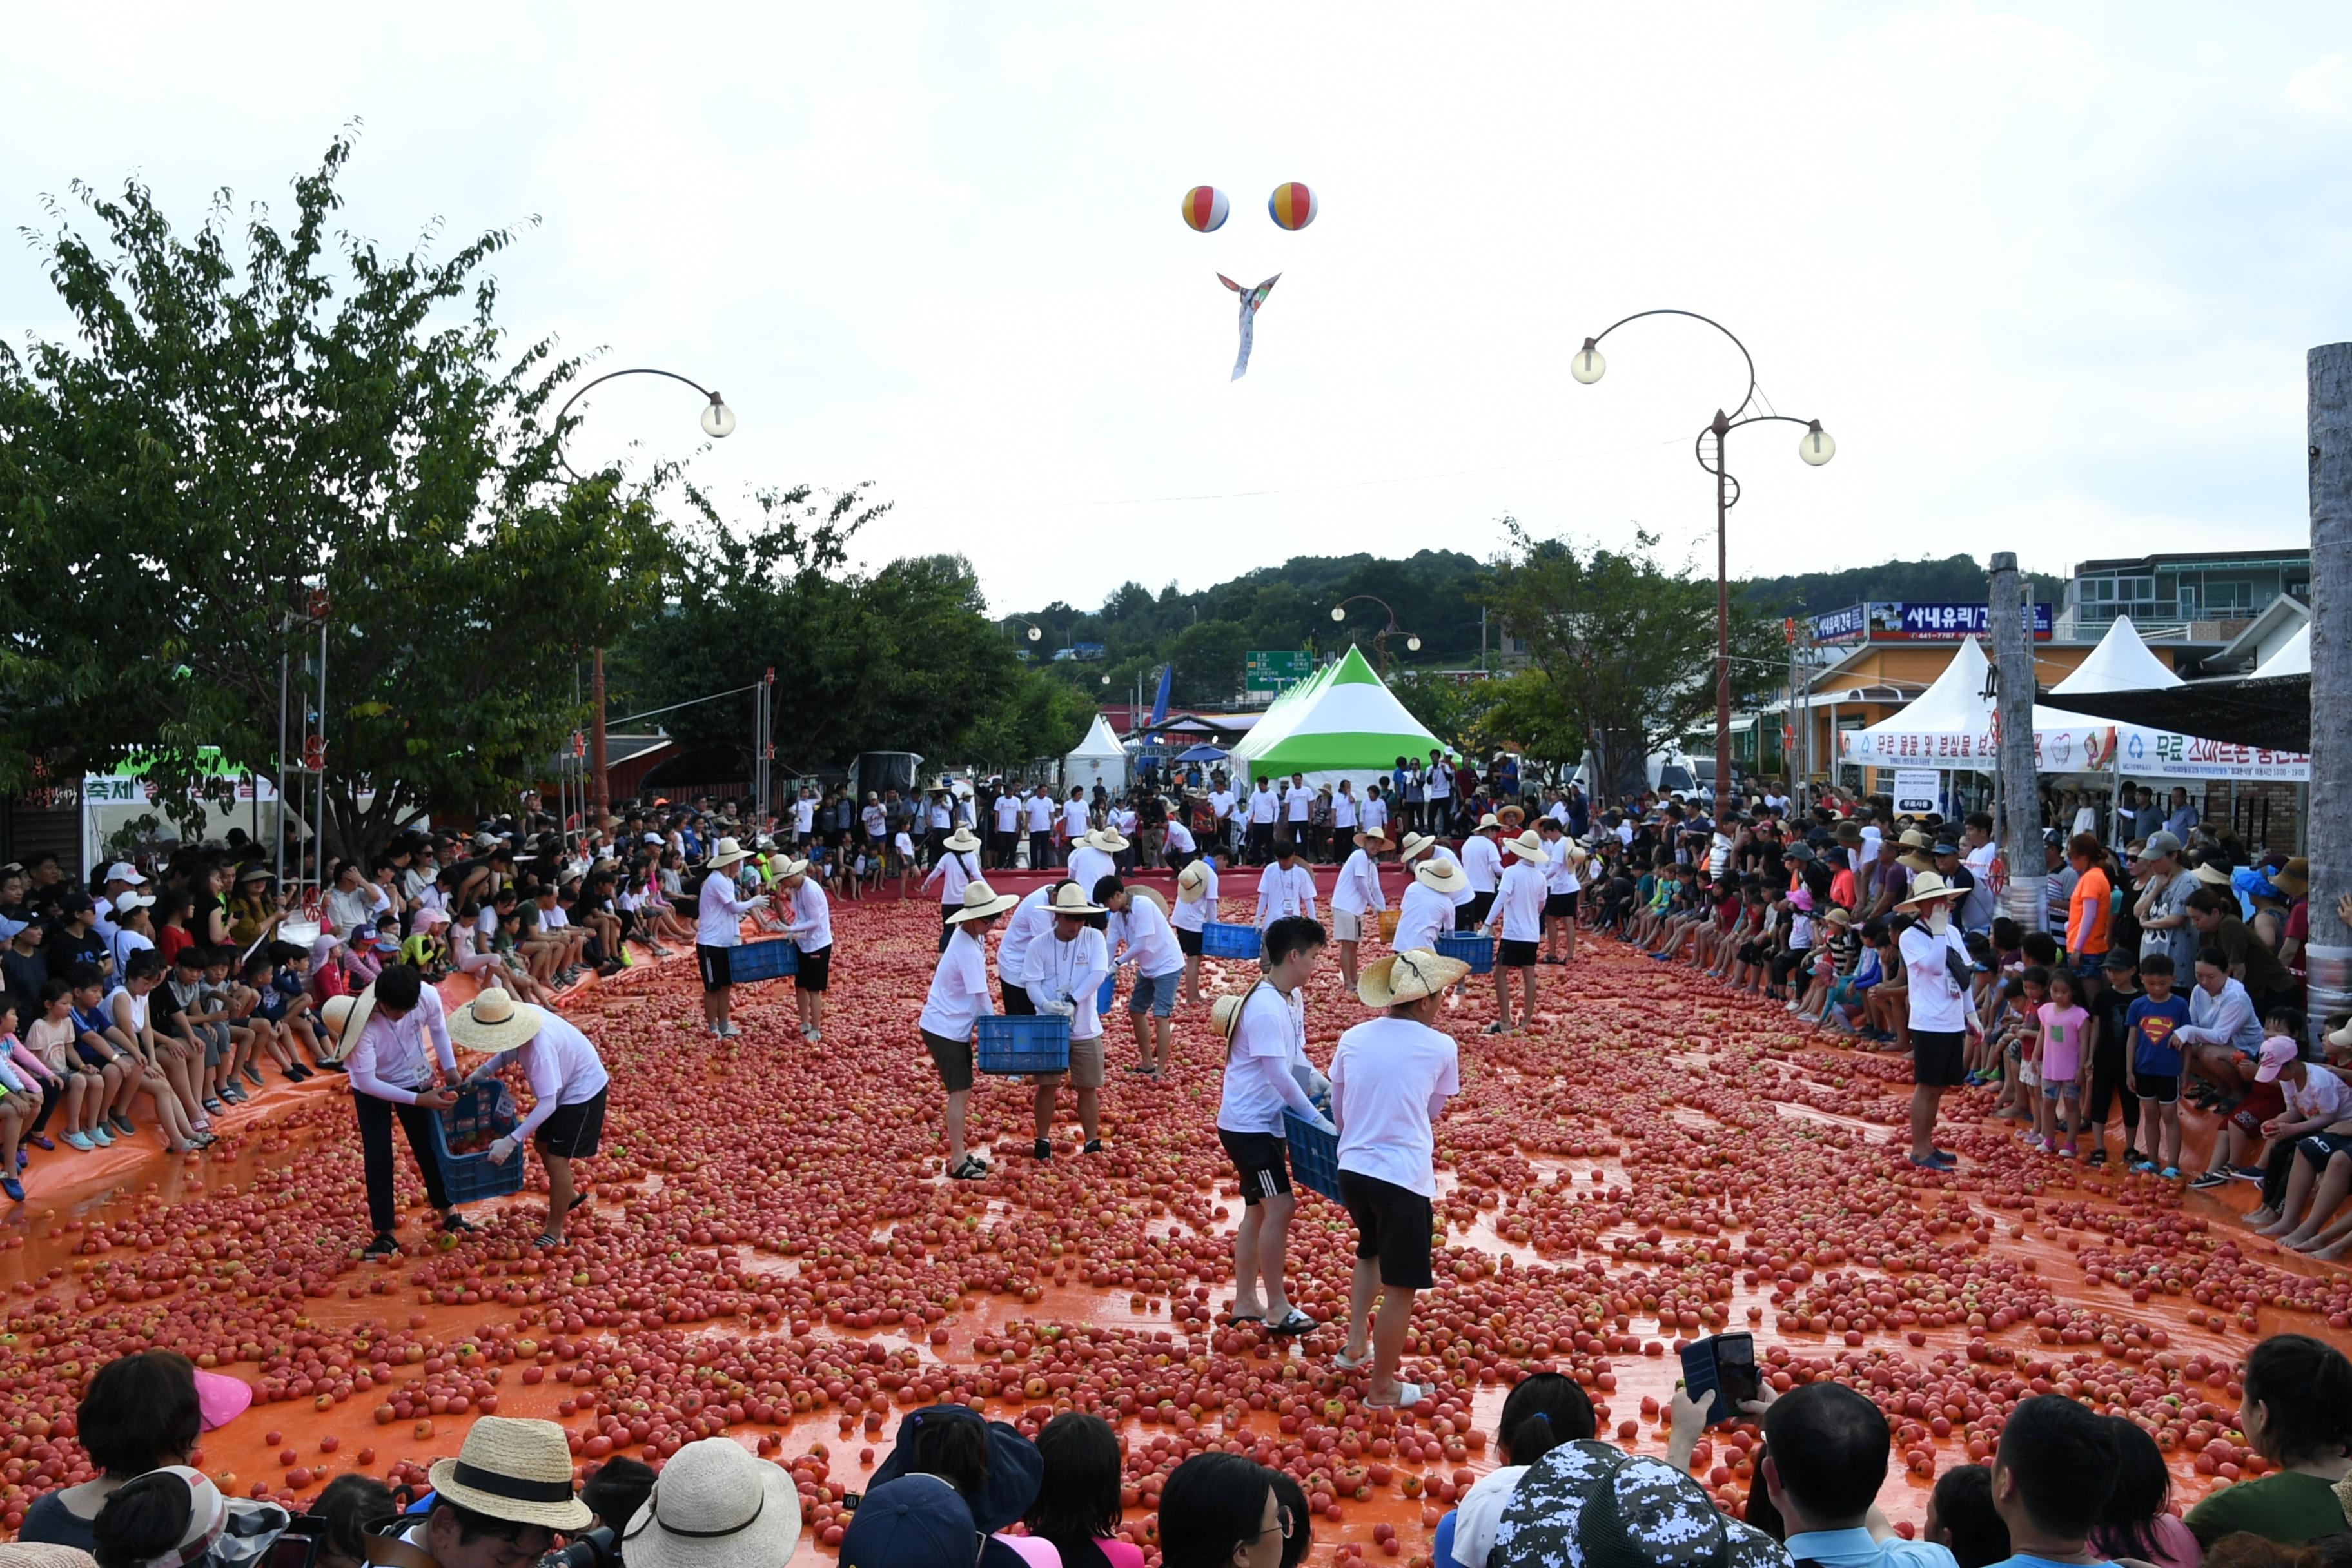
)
(1355, 894)
(1196, 906)
(959, 999)
(1561, 886)
(1427, 912)
(719, 930)
(1519, 911)
(810, 926)
(1063, 971)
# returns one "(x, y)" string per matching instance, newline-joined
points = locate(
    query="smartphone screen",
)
(1735, 1364)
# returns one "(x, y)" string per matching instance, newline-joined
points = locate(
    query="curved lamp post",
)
(1814, 447)
(1381, 637)
(718, 423)
(1036, 631)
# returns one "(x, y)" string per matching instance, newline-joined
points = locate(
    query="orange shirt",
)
(2087, 913)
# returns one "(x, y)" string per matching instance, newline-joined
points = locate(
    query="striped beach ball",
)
(1204, 207)
(1292, 205)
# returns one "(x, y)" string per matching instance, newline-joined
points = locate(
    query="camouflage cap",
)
(1588, 1505)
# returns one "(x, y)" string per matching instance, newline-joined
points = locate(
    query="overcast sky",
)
(2047, 278)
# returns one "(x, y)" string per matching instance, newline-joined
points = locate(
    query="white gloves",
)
(1061, 1009)
(1325, 1126)
(502, 1151)
(1312, 1082)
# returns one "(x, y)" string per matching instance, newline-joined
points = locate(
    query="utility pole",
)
(601, 797)
(2021, 829)
(2328, 956)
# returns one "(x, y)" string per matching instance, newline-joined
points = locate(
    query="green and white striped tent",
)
(1341, 723)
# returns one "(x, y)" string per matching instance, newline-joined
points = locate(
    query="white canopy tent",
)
(1950, 726)
(2120, 663)
(2294, 659)
(1098, 759)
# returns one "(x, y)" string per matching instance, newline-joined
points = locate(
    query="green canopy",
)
(1342, 723)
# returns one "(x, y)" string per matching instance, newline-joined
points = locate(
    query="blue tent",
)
(1204, 754)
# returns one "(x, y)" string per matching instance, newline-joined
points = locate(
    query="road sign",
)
(1271, 669)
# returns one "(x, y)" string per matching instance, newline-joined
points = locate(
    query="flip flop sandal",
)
(1238, 1319)
(577, 1199)
(547, 1241)
(1407, 1395)
(1298, 1322)
(1345, 1363)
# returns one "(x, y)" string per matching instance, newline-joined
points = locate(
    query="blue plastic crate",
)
(482, 1107)
(771, 960)
(1220, 939)
(1314, 1156)
(1039, 1043)
(1477, 952)
(1109, 994)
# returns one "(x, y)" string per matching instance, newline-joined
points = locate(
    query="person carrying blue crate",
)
(1427, 912)
(1032, 922)
(720, 908)
(1062, 972)
(1391, 1079)
(568, 1085)
(1139, 923)
(388, 1039)
(1196, 906)
(1355, 894)
(959, 999)
(1266, 1072)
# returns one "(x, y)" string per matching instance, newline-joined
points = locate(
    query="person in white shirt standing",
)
(1561, 886)
(568, 1085)
(1391, 1079)
(1266, 1072)
(1140, 925)
(1374, 812)
(1344, 807)
(1264, 805)
(1063, 971)
(1074, 817)
(1093, 856)
(1297, 806)
(810, 928)
(1196, 906)
(1519, 910)
(1935, 964)
(1040, 808)
(1221, 806)
(1007, 811)
(719, 930)
(1482, 866)
(955, 868)
(803, 819)
(951, 1013)
(1284, 888)
(1356, 893)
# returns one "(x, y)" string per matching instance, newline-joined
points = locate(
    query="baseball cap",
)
(918, 1522)
(2160, 843)
(2119, 959)
(2274, 1057)
(124, 871)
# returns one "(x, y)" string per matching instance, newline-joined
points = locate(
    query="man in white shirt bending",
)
(1391, 1079)
(1063, 971)
(568, 1085)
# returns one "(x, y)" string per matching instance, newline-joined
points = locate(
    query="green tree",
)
(247, 416)
(1625, 647)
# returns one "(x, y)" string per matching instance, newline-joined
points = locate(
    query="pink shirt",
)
(2062, 1042)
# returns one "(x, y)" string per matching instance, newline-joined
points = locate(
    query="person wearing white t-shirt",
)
(1091, 858)
(951, 1013)
(1007, 814)
(1935, 967)
(1263, 805)
(568, 1084)
(1391, 1079)
(1032, 919)
(1140, 934)
(1978, 852)
(1482, 867)
(1561, 886)
(803, 817)
(1374, 812)
(1196, 906)
(1345, 806)
(1063, 971)
(954, 868)
(1517, 911)
(1427, 911)
(1284, 888)
(1354, 894)
(1073, 817)
(809, 924)
(717, 932)
(1267, 1072)
(1040, 809)
(1297, 806)
(1221, 806)
(1177, 844)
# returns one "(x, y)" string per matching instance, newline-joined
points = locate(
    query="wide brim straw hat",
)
(727, 854)
(1489, 820)
(254, 873)
(1372, 835)
(1407, 977)
(1929, 888)
(1072, 899)
(1528, 846)
(1149, 896)
(2213, 876)
(715, 1503)
(961, 840)
(1415, 845)
(516, 1470)
(980, 901)
(788, 868)
(1225, 1013)
(1441, 875)
(1193, 882)
(1511, 815)
(2294, 879)
(345, 1017)
(1103, 839)
(494, 1022)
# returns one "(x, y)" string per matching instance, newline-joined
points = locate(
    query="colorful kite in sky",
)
(1251, 300)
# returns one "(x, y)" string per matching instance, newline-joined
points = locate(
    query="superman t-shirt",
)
(2151, 1024)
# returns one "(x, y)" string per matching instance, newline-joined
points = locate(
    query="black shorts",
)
(1472, 915)
(717, 966)
(2163, 1088)
(2319, 1148)
(1509, 955)
(1937, 1060)
(815, 971)
(571, 1133)
(1392, 1226)
(1558, 906)
(1016, 1000)
(952, 1058)
(1263, 1160)
(1188, 942)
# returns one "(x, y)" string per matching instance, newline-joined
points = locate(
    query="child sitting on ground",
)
(88, 1088)
(272, 1037)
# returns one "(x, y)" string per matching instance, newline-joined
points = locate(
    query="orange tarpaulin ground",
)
(772, 1253)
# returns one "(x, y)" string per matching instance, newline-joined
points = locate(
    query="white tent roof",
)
(1101, 742)
(1954, 701)
(2294, 659)
(2120, 663)
(1950, 725)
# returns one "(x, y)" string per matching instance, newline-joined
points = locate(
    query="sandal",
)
(1407, 1395)
(547, 1241)
(577, 1199)
(1295, 1322)
(971, 1168)
(1348, 1364)
(1238, 1319)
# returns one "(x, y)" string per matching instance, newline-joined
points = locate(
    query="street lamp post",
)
(718, 423)
(1381, 637)
(1036, 631)
(1814, 447)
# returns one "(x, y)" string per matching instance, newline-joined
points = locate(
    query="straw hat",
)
(1372, 835)
(1489, 820)
(1149, 896)
(1071, 899)
(517, 1471)
(1839, 917)
(1407, 977)
(1512, 816)
(257, 872)
(1929, 888)
(2294, 879)
(41, 1555)
(714, 1503)
(345, 1017)
(1225, 1013)
(1528, 846)
(494, 1022)
(961, 840)
(787, 868)
(980, 901)
(727, 853)
(1193, 882)
(1415, 845)
(2212, 876)
(1103, 839)
(1441, 875)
